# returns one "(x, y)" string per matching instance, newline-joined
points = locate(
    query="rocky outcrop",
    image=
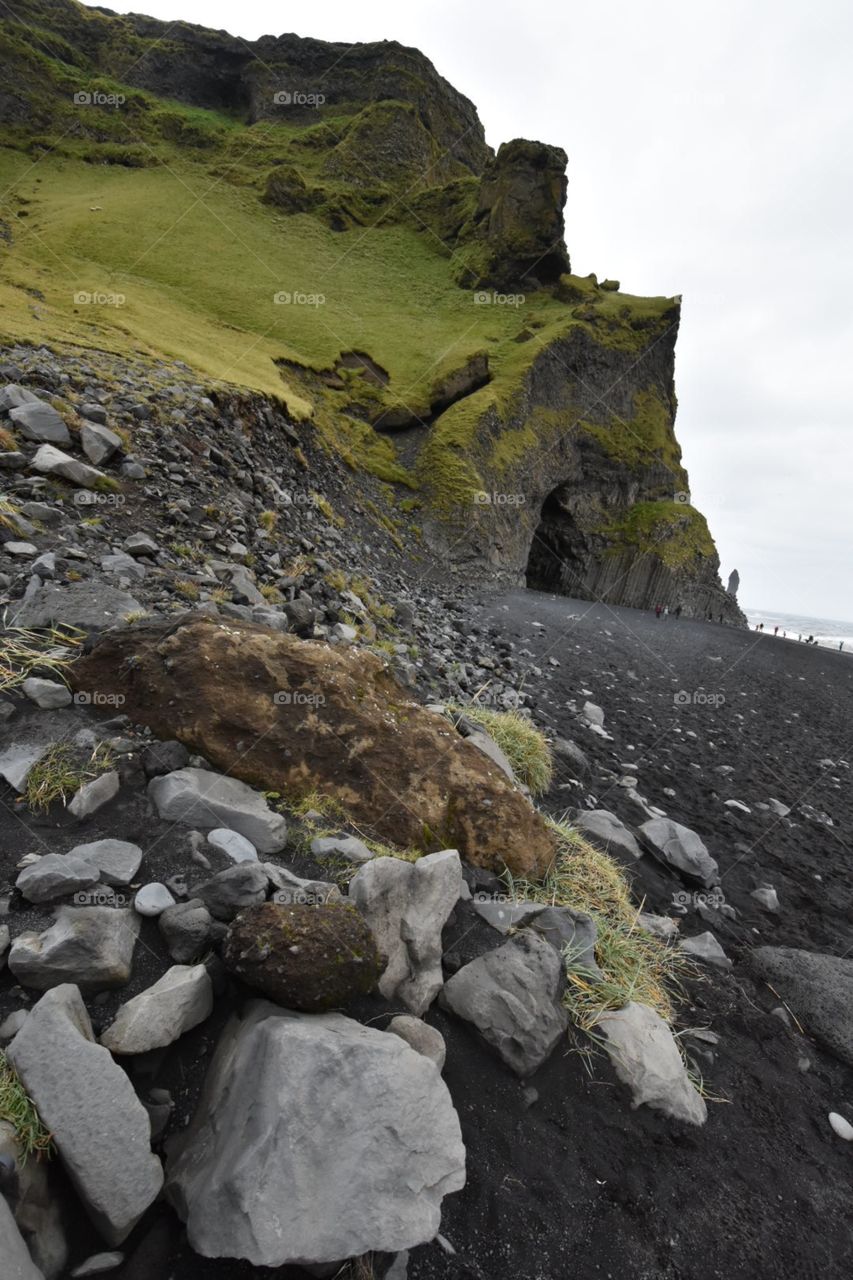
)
(297, 718)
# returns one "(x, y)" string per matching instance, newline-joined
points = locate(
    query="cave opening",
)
(555, 561)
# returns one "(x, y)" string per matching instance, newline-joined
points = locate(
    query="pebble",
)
(153, 899)
(841, 1126)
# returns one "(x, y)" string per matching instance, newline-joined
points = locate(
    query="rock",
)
(46, 694)
(734, 583)
(10, 1026)
(818, 988)
(681, 848)
(98, 442)
(348, 847)
(201, 798)
(139, 544)
(593, 714)
(646, 1058)
(303, 957)
(421, 1036)
(659, 926)
(292, 888)
(90, 946)
(17, 761)
(476, 736)
(186, 929)
(17, 1261)
(233, 889)
(164, 757)
(11, 396)
(841, 1126)
(233, 845)
(778, 808)
(153, 899)
(20, 550)
(568, 751)
(53, 462)
(123, 566)
(572, 933)
(40, 422)
(55, 875)
(343, 633)
(90, 606)
(512, 996)
(603, 828)
(97, 1265)
(391, 764)
(407, 905)
(44, 565)
(93, 795)
(117, 861)
(100, 1128)
(766, 897)
(705, 947)
(36, 1202)
(5, 939)
(158, 1016)
(379, 1143)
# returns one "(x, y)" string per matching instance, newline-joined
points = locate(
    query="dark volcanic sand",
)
(576, 1185)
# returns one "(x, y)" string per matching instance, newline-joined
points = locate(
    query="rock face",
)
(304, 957)
(512, 996)
(391, 764)
(353, 1136)
(100, 1128)
(518, 221)
(406, 906)
(819, 989)
(645, 1057)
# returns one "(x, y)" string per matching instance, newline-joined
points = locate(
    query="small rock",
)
(841, 1126)
(349, 847)
(158, 1016)
(186, 929)
(766, 897)
(97, 1265)
(233, 845)
(93, 795)
(202, 798)
(55, 875)
(646, 1058)
(152, 899)
(46, 694)
(421, 1036)
(705, 947)
(90, 946)
(40, 422)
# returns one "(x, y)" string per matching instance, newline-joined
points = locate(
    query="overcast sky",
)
(710, 152)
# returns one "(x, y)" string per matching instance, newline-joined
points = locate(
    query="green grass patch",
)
(18, 1110)
(525, 747)
(47, 654)
(673, 531)
(60, 772)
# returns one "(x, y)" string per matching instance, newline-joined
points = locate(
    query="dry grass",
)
(525, 747)
(190, 590)
(26, 653)
(634, 964)
(8, 443)
(18, 1110)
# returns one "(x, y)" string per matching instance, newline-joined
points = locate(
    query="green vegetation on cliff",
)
(673, 531)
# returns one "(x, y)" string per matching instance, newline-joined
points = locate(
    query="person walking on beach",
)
(678, 611)
(775, 631)
(666, 611)
(658, 610)
(841, 646)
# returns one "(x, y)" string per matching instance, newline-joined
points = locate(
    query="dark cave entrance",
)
(556, 559)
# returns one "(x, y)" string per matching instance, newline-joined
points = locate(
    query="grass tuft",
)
(61, 772)
(634, 964)
(525, 746)
(25, 653)
(18, 1110)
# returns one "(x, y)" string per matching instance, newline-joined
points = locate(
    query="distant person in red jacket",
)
(658, 610)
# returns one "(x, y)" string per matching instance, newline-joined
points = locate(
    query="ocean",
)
(827, 631)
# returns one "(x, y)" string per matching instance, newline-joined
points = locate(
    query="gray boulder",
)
(512, 996)
(292, 888)
(17, 760)
(235, 847)
(51, 461)
(406, 905)
(202, 798)
(603, 828)
(228, 892)
(98, 442)
(705, 947)
(40, 422)
(421, 1036)
(153, 899)
(12, 395)
(348, 847)
(56, 875)
(93, 795)
(46, 694)
(681, 848)
(117, 861)
(37, 1204)
(819, 989)
(158, 1016)
(99, 1126)
(186, 928)
(17, 1262)
(90, 946)
(646, 1058)
(88, 605)
(572, 933)
(353, 1136)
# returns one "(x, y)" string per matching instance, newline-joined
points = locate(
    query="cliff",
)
(326, 225)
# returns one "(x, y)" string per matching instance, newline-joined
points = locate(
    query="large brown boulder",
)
(296, 717)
